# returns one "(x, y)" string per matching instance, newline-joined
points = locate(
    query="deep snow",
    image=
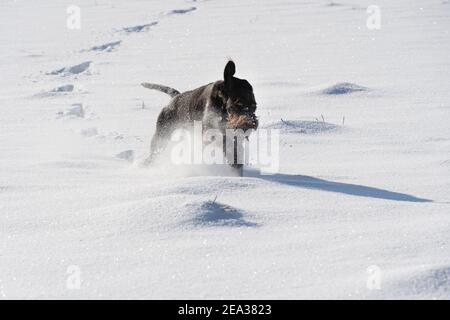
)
(364, 151)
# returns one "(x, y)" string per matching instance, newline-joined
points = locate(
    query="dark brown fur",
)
(224, 104)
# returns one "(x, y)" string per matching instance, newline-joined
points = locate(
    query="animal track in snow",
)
(61, 90)
(76, 69)
(89, 132)
(181, 11)
(32, 53)
(64, 88)
(117, 137)
(333, 4)
(127, 155)
(107, 47)
(140, 28)
(76, 110)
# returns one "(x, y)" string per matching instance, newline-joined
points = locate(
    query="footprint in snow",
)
(63, 89)
(127, 155)
(107, 47)
(180, 11)
(32, 54)
(333, 4)
(76, 110)
(139, 28)
(76, 69)
(89, 132)
(58, 91)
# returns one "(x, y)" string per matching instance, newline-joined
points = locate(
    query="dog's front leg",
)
(233, 151)
(237, 161)
(211, 118)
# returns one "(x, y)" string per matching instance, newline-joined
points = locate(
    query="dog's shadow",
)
(309, 182)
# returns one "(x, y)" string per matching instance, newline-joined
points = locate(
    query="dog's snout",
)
(242, 121)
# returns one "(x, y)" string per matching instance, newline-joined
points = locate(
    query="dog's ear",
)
(228, 73)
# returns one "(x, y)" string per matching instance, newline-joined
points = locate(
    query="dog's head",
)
(239, 103)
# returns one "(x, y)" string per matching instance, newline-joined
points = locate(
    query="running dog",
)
(224, 104)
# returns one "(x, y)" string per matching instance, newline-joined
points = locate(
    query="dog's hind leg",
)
(164, 128)
(157, 145)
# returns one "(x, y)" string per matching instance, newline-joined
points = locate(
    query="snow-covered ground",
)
(360, 207)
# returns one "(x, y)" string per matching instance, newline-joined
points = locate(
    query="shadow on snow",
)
(338, 187)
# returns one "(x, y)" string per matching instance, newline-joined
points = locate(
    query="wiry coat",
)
(214, 104)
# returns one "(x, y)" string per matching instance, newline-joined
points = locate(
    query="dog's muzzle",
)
(242, 121)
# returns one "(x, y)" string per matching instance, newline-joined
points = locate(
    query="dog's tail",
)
(170, 91)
